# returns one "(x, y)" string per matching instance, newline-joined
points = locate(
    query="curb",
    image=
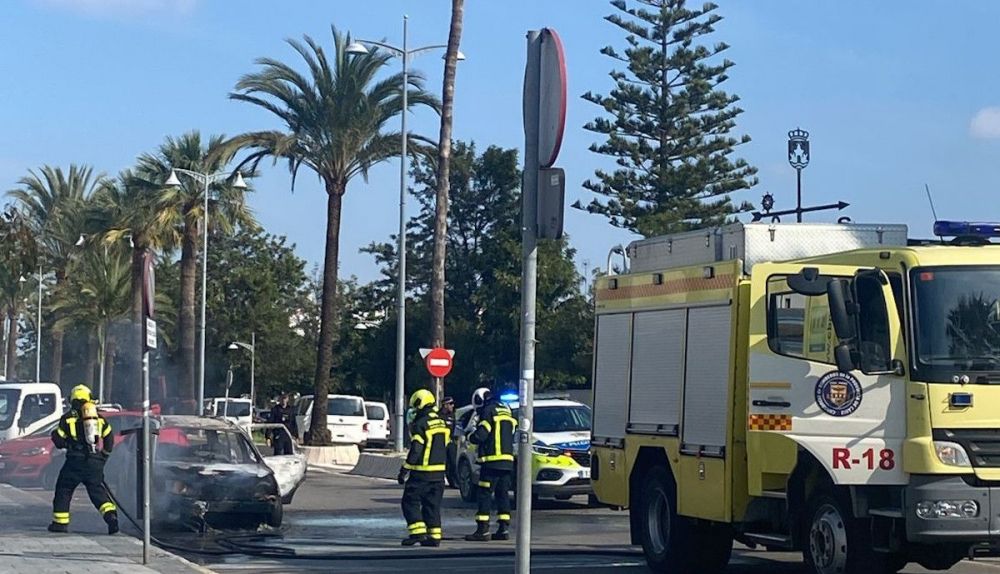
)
(377, 466)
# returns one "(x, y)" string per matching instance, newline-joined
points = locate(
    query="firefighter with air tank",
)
(87, 438)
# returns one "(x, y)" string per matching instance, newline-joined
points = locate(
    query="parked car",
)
(560, 463)
(237, 410)
(206, 471)
(27, 407)
(378, 423)
(346, 418)
(33, 461)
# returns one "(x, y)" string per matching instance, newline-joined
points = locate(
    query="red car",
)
(32, 460)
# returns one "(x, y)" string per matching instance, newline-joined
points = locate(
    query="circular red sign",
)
(438, 362)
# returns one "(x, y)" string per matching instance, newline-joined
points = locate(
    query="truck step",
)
(778, 494)
(769, 540)
(886, 512)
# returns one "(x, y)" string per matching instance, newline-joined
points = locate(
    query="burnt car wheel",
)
(275, 517)
(465, 486)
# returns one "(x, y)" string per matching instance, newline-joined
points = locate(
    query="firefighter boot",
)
(62, 528)
(482, 533)
(503, 531)
(414, 539)
(111, 518)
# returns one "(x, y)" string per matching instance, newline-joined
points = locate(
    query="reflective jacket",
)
(69, 434)
(429, 438)
(494, 437)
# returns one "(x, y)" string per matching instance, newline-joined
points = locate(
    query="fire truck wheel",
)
(837, 543)
(663, 533)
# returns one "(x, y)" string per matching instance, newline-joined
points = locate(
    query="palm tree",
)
(443, 180)
(129, 208)
(336, 120)
(18, 258)
(97, 295)
(54, 202)
(181, 207)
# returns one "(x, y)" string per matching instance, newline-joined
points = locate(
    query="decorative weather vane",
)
(798, 158)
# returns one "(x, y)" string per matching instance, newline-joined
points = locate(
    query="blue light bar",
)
(508, 398)
(965, 229)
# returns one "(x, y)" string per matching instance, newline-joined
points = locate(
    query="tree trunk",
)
(133, 358)
(186, 322)
(319, 434)
(12, 344)
(93, 349)
(443, 182)
(55, 361)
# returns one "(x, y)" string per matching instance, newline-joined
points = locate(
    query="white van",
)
(378, 423)
(27, 407)
(345, 418)
(236, 410)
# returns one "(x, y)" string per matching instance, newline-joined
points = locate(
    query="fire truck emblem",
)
(838, 394)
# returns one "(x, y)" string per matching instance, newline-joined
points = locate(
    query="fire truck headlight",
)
(951, 453)
(931, 509)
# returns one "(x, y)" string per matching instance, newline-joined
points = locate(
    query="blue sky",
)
(894, 95)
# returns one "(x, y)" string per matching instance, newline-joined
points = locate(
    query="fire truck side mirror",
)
(838, 293)
(844, 357)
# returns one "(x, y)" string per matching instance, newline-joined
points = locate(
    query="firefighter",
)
(494, 440)
(88, 441)
(423, 472)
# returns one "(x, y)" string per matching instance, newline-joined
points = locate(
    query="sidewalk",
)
(27, 548)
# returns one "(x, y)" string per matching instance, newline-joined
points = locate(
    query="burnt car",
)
(206, 472)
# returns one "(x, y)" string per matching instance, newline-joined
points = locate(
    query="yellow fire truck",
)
(833, 388)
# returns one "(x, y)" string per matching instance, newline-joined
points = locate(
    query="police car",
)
(560, 464)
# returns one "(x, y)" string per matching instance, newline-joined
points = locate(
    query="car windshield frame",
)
(934, 315)
(11, 400)
(233, 437)
(575, 407)
(330, 411)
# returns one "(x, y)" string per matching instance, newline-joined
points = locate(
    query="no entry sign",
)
(438, 361)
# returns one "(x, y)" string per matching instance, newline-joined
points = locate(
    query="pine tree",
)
(667, 124)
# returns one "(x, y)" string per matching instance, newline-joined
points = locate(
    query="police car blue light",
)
(508, 398)
(965, 229)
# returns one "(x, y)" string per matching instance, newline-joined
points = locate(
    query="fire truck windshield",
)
(957, 320)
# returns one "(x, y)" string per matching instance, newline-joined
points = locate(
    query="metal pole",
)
(204, 283)
(38, 332)
(145, 447)
(529, 254)
(253, 353)
(401, 280)
(798, 206)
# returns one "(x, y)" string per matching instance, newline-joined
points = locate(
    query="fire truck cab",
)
(824, 387)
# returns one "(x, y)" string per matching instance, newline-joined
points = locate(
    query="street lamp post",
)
(252, 348)
(207, 180)
(38, 331)
(404, 53)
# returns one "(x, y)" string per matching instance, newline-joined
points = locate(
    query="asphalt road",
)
(352, 524)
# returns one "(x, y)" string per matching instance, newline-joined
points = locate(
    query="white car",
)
(234, 409)
(345, 418)
(378, 423)
(27, 407)
(561, 450)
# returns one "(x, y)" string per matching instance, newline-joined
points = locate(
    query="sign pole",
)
(529, 268)
(149, 342)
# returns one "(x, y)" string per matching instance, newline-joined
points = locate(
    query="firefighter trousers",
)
(494, 485)
(422, 506)
(76, 470)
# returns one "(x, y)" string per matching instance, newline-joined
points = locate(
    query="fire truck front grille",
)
(982, 445)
